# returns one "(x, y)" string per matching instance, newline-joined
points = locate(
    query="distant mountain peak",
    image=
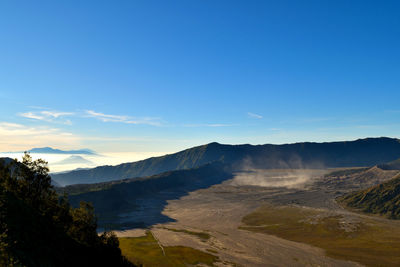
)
(214, 144)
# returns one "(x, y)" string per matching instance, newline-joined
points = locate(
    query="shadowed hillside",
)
(393, 165)
(143, 199)
(362, 152)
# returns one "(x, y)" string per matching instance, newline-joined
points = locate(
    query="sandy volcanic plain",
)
(218, 211)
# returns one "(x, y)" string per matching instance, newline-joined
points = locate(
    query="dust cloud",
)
(292, 172)
(276, 178)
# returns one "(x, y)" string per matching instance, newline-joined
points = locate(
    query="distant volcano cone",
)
(74, 160)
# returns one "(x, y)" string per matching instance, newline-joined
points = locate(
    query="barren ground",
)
(219, 210)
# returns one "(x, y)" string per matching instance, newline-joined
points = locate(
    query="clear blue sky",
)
(166, 75)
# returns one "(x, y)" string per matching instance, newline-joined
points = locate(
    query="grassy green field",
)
(203, 236)
(145, 251)
(369, 242)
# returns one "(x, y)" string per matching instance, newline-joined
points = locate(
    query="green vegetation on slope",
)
(370, 242)
(37, 228)
(146, 251)
(383, 199)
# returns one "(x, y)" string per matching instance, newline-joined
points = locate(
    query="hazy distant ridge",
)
(49, 150)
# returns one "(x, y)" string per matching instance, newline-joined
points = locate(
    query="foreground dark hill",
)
(6, 160)
(362, 152)
(383, 199)
(132, 196)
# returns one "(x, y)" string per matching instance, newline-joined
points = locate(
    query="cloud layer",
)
(15, 137)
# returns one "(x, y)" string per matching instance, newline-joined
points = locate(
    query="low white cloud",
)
(106, 117)
(15, 137)
(31, 115)
(122, 118)
(56, 114)
(48, 116)
(253, 115)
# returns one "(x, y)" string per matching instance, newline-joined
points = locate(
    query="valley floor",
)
(211, 220)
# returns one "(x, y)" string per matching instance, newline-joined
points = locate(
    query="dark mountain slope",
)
(381, 199)
(186, 159)
(6, 161)
(362, 152)
(393, 165)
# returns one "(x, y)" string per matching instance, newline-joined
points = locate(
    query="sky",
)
(153, 77)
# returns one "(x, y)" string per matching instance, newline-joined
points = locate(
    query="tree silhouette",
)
(39, 228)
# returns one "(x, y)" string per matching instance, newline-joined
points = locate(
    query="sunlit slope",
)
(381, 199)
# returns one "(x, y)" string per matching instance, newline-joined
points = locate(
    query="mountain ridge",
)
(361, 152)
